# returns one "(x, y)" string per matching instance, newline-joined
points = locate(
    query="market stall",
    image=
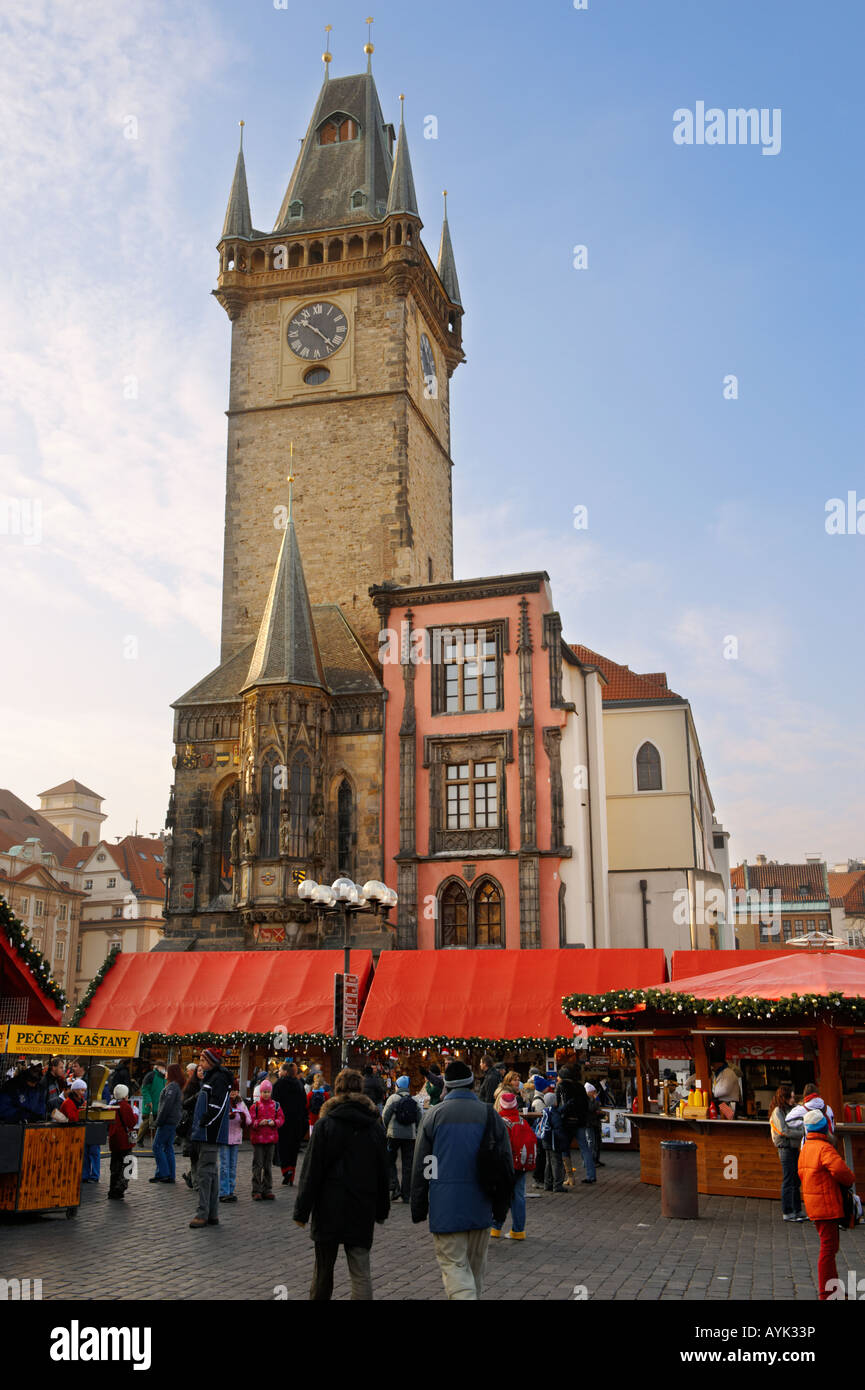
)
(41, 1161)
(427, 1006)
(255, 1005)
(805, 1012)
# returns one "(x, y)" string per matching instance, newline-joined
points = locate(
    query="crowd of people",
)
(458, 1150)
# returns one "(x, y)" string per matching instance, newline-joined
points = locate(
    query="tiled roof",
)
(848, 889)
(140, 866)
(786, 878)
(72, 786)
(286, 651)
(19, 822)
(623, 683)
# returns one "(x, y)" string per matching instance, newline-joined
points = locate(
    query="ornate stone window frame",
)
(493, 746)
(496, 629)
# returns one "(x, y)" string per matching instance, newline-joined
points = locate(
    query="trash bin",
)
(679, 1179)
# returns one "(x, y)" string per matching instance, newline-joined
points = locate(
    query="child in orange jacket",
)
(822, 1174)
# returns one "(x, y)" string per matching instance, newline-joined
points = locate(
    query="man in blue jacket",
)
(445, 1183)
(209, 1130)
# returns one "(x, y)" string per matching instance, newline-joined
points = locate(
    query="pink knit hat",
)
(507, 1101)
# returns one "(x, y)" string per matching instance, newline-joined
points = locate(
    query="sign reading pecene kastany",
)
(69, 1042)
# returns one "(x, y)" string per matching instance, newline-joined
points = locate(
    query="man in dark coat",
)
(493, 1075)
(344, 1186)
(573, 1103)
(288, 1092)
(374, 1087)
(209, 1130)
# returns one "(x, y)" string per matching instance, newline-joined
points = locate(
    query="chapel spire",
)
(238, 220)
(401, 195)
(446, 266)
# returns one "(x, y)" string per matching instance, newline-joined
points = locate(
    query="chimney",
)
(761, 859)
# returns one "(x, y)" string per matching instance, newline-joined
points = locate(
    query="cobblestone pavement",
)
(609, 1238)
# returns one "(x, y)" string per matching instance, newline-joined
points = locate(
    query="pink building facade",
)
(477, 685)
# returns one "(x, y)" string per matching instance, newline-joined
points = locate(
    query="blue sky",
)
(600, 387)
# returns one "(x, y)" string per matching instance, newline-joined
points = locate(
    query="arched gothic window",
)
(454, 915)
(298, 791)
(226, 825)
(85, 838)
(488, 914)
(271, 798)
(648, 768)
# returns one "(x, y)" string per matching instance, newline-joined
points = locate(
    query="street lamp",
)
(345, 899)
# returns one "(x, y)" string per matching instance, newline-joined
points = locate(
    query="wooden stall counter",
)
(40, 1167)
(735, 1158)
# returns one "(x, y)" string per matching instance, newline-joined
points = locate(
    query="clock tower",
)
(345, 335)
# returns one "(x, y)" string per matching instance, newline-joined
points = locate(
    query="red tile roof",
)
(622, 682)
(72, 786)
(19, 822)
(787, 878)
(849, 889)
(139, 865)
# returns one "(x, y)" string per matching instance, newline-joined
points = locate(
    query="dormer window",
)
(337, 129)
(358, 198)
(295, 210)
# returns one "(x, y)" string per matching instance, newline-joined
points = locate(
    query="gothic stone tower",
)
(344, 338)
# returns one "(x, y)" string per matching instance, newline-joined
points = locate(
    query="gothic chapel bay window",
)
(467, 666)
(471, 916)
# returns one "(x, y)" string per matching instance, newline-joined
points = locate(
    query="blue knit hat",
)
(815, 1121)
(403, 1083)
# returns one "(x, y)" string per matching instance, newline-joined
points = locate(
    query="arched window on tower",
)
(454, 916)
(337, 129)
(85, 838)
(298, 792)
(271, 797)
(344, 828)
(648, 769)
(226, 825)
(488, 914)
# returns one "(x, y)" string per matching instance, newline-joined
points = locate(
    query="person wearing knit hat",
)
(209, 1130)
(462, 1180)
(121, 1138)
(524, 1147)
(400, 1117)
(822, 1174)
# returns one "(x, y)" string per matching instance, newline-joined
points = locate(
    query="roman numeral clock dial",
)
(317, 331)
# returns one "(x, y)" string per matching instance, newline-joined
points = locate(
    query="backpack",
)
(316, 1101)
(524, 1146)
(495, 1178)
(405, 1111)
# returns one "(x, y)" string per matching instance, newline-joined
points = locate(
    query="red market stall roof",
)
(478, 997)
(684, 964)
(817, 972)
(17, 981)
(220, 993)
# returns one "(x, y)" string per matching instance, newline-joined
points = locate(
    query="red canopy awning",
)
(184, 993)
(782, 975)
(684, 964)
(17, 981)
(496, 995)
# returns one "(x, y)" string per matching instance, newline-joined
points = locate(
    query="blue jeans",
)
(163, 1151)
(228, 1169)
(584, 1139)
(791, 1195)
(518, 1204)
(91, 1167)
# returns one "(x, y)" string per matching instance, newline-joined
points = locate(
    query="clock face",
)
(317, 330)
(428, 367)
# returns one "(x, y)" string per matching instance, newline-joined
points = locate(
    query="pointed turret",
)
(402, 197)
(286, 652)
(238, 220)
(446, 266)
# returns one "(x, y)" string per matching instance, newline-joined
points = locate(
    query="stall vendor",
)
(726, 1087)
(22, 1097)
(75, 1094)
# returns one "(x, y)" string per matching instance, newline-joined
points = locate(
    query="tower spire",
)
(369, 46)
(238, 220)
(446, 266)
(401, 195)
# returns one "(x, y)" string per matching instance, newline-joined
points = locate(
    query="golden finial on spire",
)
(445, 196)
(241, 124)
(369, 46)
(327, 56)
(290, 478)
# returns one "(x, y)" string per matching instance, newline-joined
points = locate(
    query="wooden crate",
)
(50, 1172)
(695, 1112)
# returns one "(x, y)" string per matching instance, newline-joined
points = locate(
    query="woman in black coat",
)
(344, 1186)
(291, 1096)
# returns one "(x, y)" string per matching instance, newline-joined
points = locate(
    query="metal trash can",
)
(679, 1179)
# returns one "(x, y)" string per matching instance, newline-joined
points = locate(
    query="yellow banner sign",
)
(69, 1042)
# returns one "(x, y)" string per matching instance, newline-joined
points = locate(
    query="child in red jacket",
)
(266, 1120)
(822, 1173)
(121, 1138)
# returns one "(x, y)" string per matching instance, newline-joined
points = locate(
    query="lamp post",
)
(345, 899)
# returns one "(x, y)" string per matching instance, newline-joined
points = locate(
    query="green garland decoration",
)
(230, 1042)
(628, 1005)
(36, 963)
(84, 1002)
(439, 1041)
